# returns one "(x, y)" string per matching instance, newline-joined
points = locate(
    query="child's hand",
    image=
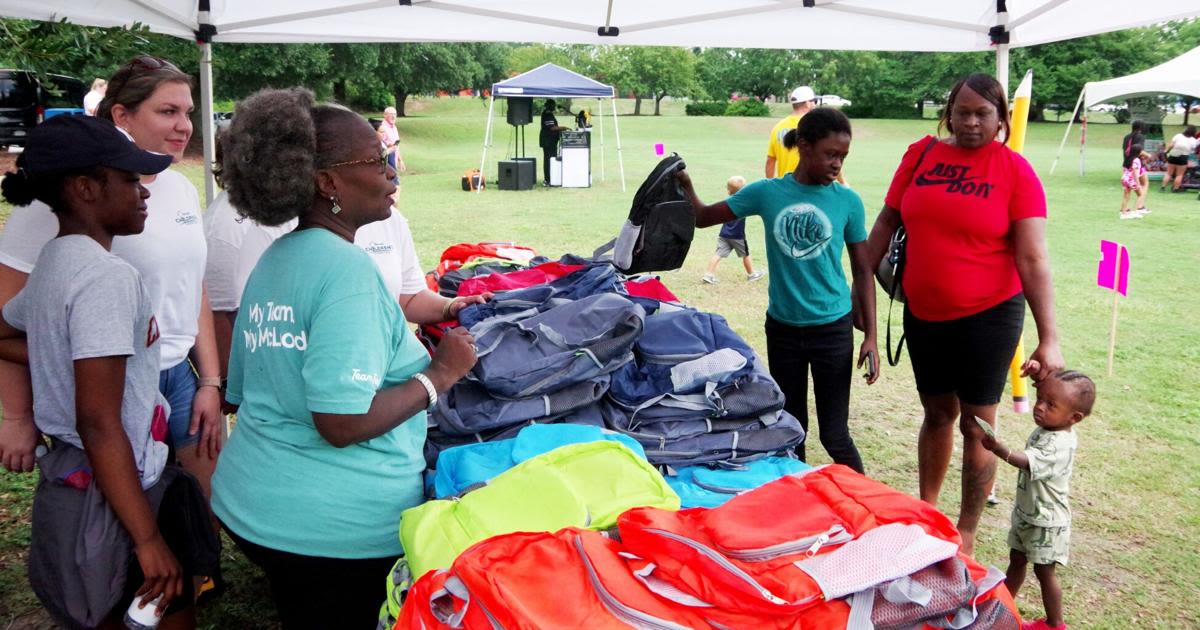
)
(989, 442)
(1032, 368)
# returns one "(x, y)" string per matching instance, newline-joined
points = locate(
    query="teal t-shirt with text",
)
(317, 331)
(807, 227)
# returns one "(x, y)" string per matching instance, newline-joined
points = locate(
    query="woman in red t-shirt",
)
(975, 214)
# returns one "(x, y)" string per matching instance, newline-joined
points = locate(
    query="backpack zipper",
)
(618, 609)
(725, 564)
(669, 171)
(810, 545)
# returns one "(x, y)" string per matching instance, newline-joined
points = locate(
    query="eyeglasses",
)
(381, 162)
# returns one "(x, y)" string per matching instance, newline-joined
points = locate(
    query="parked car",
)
(833, 100)
(24, 102)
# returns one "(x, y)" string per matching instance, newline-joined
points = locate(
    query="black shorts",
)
(968, 356)
(1177, 160)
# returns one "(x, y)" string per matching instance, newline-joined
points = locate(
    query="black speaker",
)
(517, 174)
(520, 110)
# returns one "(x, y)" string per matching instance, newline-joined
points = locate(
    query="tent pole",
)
(1002, 45)
(1002, 66)
(487, 134)
(206, 120)
(1082, 141)
(1068, 131)
(600, 125)
(617, 129)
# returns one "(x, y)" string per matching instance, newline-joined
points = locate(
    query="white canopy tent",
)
(920, 25)
(1180, 75)
(551, 81)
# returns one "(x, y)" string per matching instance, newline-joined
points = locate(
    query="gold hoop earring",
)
(336, 208)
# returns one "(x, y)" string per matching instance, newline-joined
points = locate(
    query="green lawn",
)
(1137, 509)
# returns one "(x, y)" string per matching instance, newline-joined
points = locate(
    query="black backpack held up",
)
(658, 233)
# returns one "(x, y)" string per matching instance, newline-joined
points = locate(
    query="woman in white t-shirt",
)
(1179, 149)
(151, 100)
(92, 99)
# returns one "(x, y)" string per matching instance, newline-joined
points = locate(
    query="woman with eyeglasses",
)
(975, 215)
(331, 385)
(150, 100)
(236, 243)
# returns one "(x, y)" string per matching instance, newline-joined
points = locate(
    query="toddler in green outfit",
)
(1041, 516)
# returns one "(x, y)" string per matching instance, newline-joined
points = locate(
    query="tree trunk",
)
(339, 92)
(1187, 110)
(637, 105)
(657, 102)
(401, 95)
(1036, 111)
(920, 108)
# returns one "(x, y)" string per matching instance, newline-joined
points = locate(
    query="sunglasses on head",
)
(150, 62)
(138, 65)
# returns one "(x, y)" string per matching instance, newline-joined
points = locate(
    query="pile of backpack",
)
(575, 341)
(547, 477)
(820, 548)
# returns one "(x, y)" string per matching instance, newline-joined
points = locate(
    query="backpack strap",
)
(894, 358)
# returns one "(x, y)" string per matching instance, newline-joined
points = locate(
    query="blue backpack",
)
(703, 486)
(463, 467)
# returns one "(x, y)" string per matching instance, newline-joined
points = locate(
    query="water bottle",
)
(146, 618)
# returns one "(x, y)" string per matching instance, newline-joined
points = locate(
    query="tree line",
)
(373, 76)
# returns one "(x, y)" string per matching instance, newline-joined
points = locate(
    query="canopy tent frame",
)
(1180, 75)
(513, 88)
(926, 25)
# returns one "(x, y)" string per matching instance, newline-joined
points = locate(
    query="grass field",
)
(1136, 495)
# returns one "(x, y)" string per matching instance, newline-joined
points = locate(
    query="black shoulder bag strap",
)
(894, 359)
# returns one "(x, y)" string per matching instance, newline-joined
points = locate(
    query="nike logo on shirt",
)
(954, 178)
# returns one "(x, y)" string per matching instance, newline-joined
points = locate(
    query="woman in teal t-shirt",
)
(809, 217)
(331, 385)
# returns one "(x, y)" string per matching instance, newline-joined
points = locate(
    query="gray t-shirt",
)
(83, 302)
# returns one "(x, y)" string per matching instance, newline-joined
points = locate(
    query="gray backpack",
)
(548, 351)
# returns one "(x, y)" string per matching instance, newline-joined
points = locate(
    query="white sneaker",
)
(1143, 211)
(757, 275)
(1130, 215)
(708, 278)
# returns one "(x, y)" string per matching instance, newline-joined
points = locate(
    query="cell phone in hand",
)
(872, 366)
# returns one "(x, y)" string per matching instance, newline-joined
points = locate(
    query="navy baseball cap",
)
(70, 142)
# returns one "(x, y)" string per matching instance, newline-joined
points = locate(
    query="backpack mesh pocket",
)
(949, 587)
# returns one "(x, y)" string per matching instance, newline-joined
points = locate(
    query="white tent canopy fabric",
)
(917, 25)
(1180, 75)
(551, 81)
(931, 25)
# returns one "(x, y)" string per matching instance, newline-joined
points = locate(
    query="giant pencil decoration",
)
(1016, 142)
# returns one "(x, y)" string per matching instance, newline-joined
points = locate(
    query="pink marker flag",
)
(1113, 271)
(658, 149)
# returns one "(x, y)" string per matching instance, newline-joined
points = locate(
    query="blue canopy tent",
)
(551, 81)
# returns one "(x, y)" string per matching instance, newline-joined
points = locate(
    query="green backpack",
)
(579, 485)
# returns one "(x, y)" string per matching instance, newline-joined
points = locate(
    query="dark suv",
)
(24, 102)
